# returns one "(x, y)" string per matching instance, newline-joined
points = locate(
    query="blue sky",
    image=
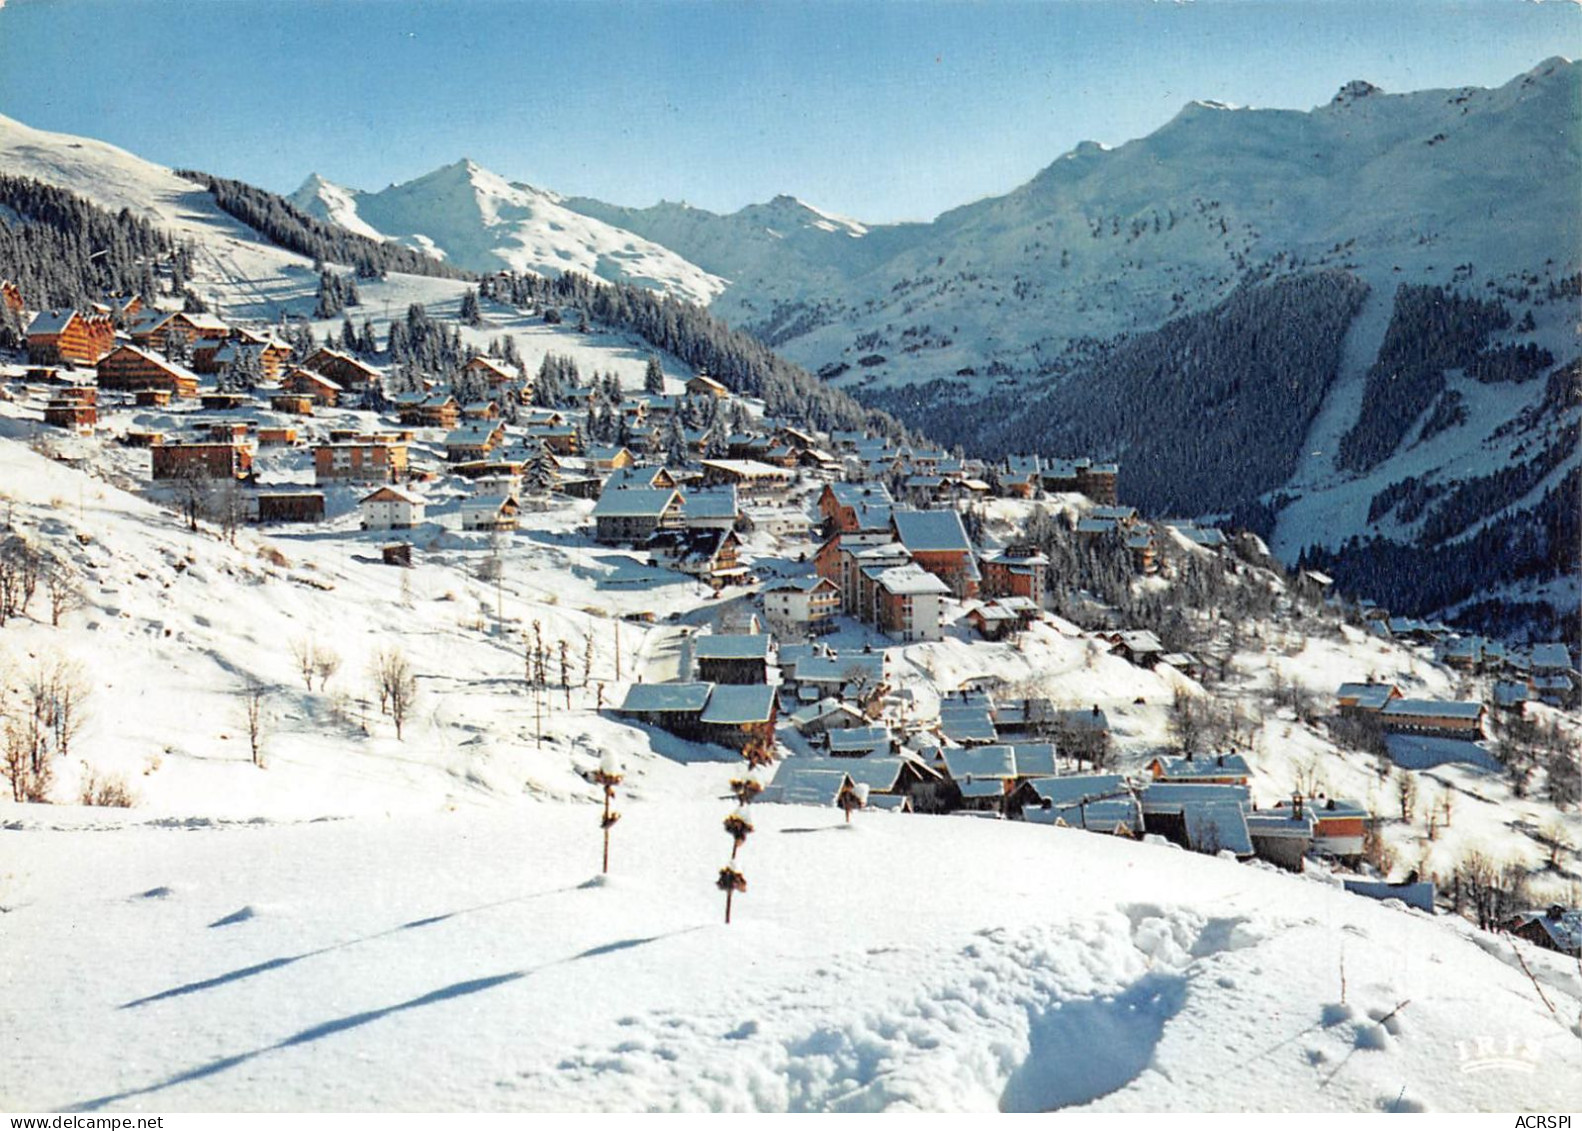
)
(883, 111)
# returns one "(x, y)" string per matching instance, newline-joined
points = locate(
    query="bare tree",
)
(396, 685)
(191, 487)
(1406, 792)
(306, 657)
(565, 671)
(229, 508)
(58, 690)
(1186, 722)
(63, 590)
(1556, 839)
(326, 662)
(20, 567)
(253, 695)
(40, 725)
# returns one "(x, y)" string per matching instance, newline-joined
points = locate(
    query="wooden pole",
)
(609, 791)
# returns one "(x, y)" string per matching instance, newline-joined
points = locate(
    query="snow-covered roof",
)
(860, 740)
(970, 723)
(825, 708)
(747, 468)
(1035, 759)
(910, 580)
(636, 502)
(50, 321)
(1074, 788)
(713, 503)
(391, 493)
(1098, 802)
(1551, 657)
(841, 667)
(806, 782)
(1564, 927)
(1218, 826)
(731, 646)
(1174, 797)
(930, 531)
(979, 762)
(1204, 766)
(736, 704)
(1434, 707)
(633, 478)
(645, 698)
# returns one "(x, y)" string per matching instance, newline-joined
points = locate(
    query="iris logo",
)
(1490, 1054)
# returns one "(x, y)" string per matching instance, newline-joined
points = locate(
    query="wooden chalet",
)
(129, 368)
(751, 478)
(72, 413)
(202, 460)
(1004, 617)
(341, 368)
(291, 506)
(708, 554)
(562, 440)
(306, 382)
(279, 435)
(1432, 717)
(732, 657)
(1140, 647)
(154, 329)
(1208, 769)
(471, 443)
(633, 515)
(292, 404)
(705, 386)
(609, 457)
(493, 373)
(490, 512)
(68, 337)
(432, 410)
(732, 715)
(223, 402)
(1557, 928)
(225, 431)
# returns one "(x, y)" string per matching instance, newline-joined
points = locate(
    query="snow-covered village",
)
(428, 688)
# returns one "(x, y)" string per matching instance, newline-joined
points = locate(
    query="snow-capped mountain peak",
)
(475, 218)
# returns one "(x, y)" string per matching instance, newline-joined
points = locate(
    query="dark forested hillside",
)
(1431, 330)
(62, 251)
(288, 226)
(1205, 414)
(740, 361)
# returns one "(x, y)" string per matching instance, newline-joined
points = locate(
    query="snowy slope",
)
(468, 961)
(436, 943)
(476, 219)
(236, 270)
